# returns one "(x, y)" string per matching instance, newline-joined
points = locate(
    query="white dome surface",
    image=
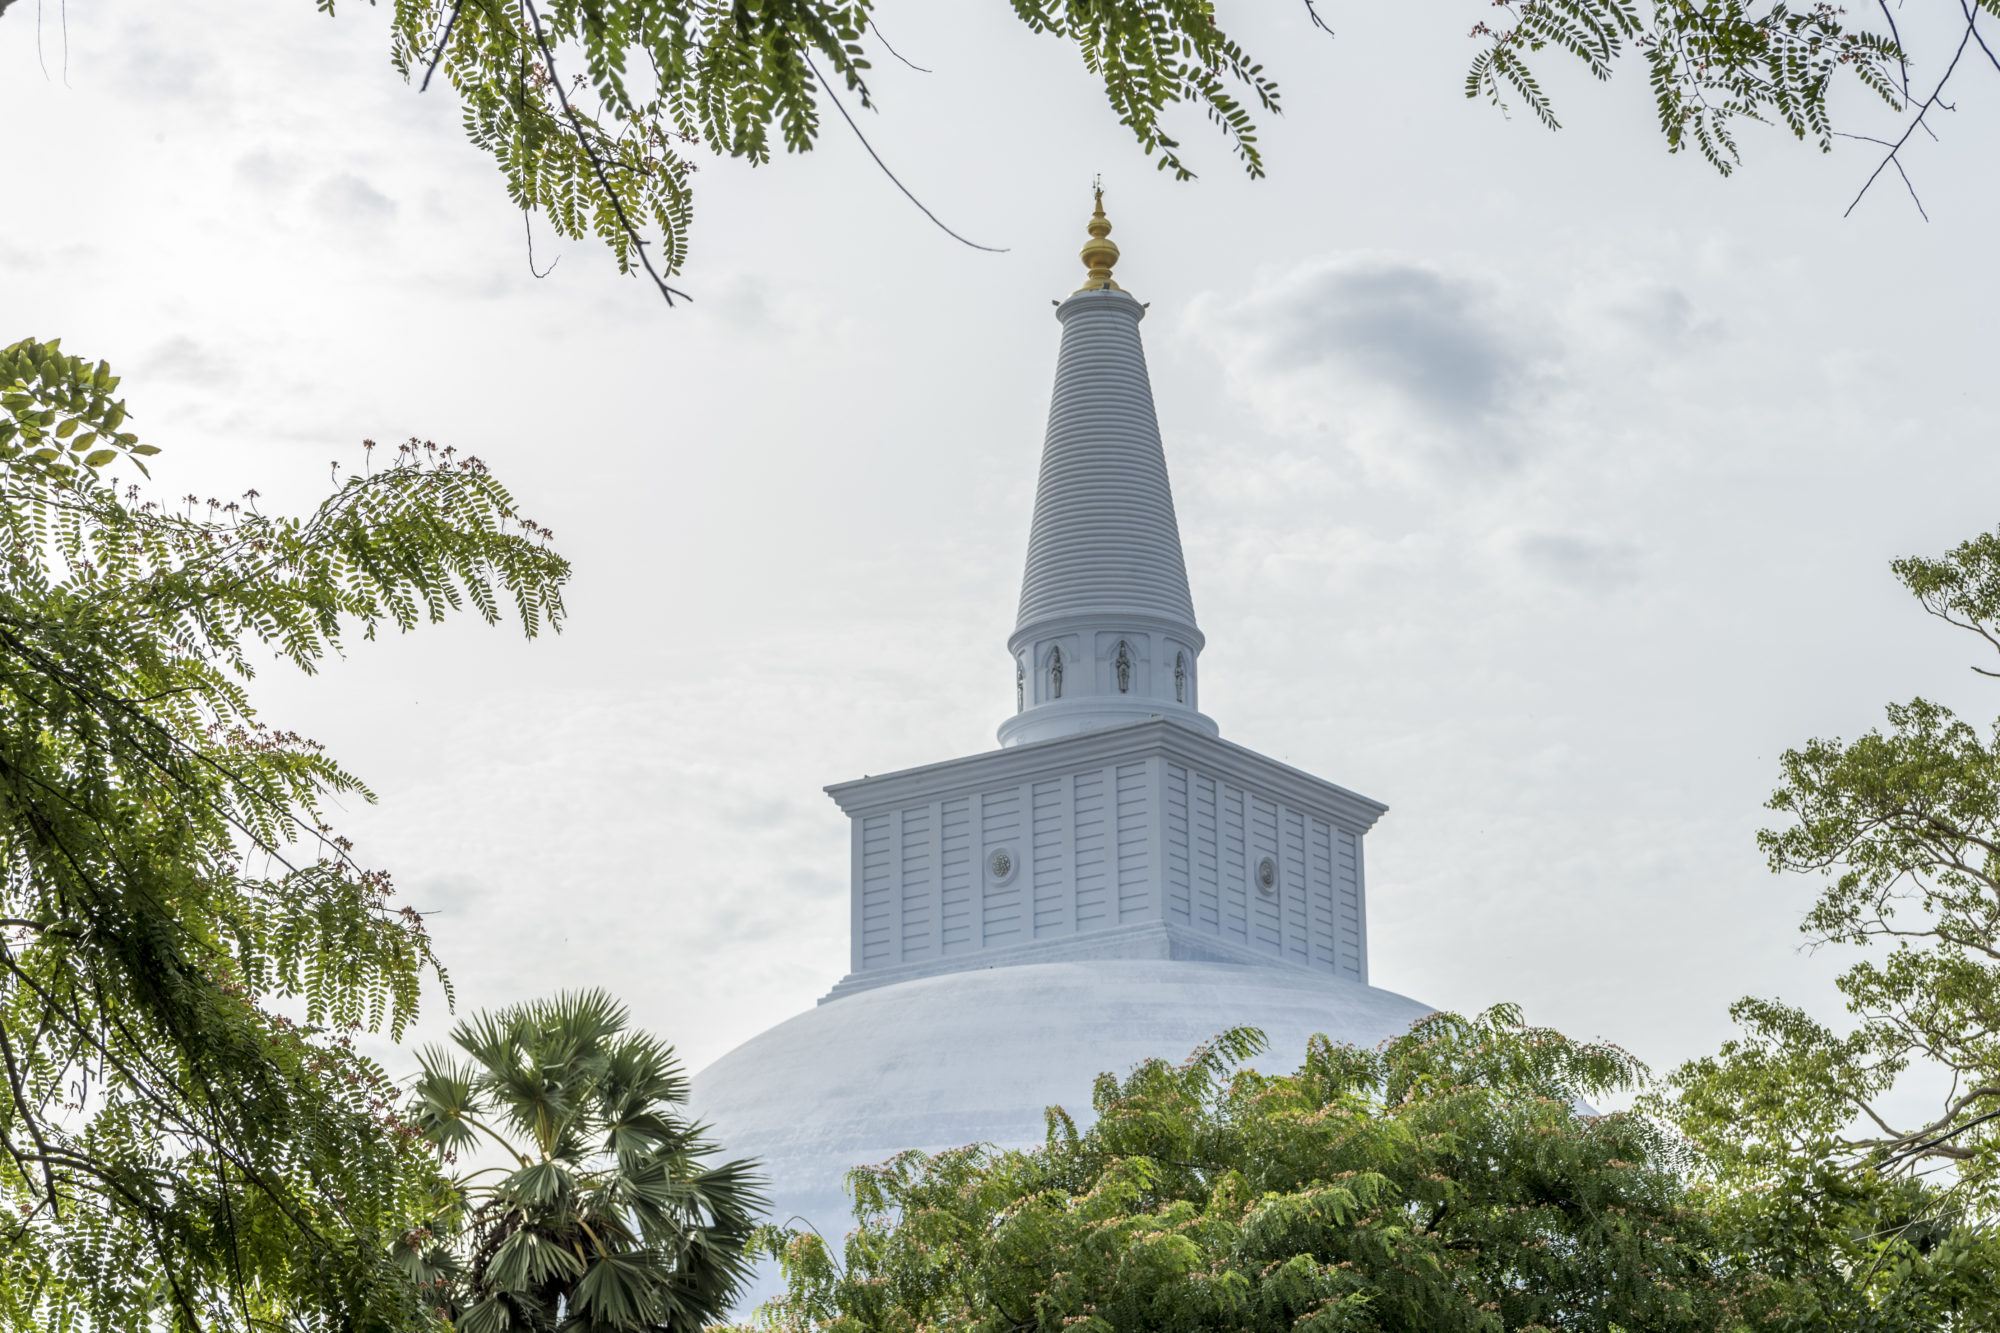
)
(974, 1057)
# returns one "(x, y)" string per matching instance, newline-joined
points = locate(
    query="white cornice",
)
(1153, 736)
(1110, 618)
(1094, 712)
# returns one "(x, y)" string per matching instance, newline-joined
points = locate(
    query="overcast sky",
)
(1540, 485)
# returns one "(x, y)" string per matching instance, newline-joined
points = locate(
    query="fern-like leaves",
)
(177, 1152)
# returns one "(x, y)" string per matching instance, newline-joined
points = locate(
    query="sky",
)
(1541, 485)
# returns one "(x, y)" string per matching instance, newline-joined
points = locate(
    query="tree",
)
(1450, 1181)
(604, 1214)
(1712, 64)
(589, 106)
(188, 1139)
(1903, 824)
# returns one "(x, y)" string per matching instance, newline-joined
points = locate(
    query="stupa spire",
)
(1106, 632)
(1099, 253)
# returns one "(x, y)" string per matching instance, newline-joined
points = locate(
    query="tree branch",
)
(837, 106)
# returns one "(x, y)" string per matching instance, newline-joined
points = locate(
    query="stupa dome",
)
(1115, 882)
(975, 1057)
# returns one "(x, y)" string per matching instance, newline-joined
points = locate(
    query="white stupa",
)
(1114, 882)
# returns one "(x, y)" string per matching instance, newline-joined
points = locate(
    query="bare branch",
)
(835, 99)
(892, 50)
(1931, 103)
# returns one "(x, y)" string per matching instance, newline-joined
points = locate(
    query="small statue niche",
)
(1123, 665)
(1180, 678)
(1055, 673)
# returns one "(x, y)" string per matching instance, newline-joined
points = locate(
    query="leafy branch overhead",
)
(598, 111)
(1709, 64)
(595, 111)
(176, 1151)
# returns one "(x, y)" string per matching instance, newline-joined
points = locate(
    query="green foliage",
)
(1450, 1181)
(591, 107)
(1710, 63)
(56, 411)
(597, 111)
(1794, 1118)
(604, 1214)
(177, 1153)
(1904, 826)
(602, 143)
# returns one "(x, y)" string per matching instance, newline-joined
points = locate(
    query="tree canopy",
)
(1451, 1181)
(188, 1138)
(597, 111)
(1455, 1181)
(1903, 826)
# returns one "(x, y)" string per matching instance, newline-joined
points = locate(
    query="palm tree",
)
(602, 1214)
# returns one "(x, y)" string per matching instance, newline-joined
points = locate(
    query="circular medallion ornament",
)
(1000, 865)
(1267, 875)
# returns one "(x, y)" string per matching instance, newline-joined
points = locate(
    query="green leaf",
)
(151, 822)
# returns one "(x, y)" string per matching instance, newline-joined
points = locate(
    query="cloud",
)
(266, 170)
(348, 198)
(18, 257)
(160, 68)
(182, 359)
(1390, 354)
(1412, 328)
(1662, 317)
(1585, 564)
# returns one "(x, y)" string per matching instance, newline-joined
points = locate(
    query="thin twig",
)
(1312, 9)
(892, 50)
(27, 1111)
(597, 164)
(438, 54)
(1972, 25)
(529, 228)
(1902, 60)
(1930, 103)
(835, 99)
(1932, 1143)
(1891, 157)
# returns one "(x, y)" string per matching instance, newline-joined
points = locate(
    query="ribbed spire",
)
(1105, 537)
(1105, 573)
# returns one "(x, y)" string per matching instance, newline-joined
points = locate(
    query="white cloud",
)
(347, 198)
(1584, 563)
(180, 359)
(267, 170)
(1401, 360)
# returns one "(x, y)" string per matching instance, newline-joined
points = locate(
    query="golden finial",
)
(1099, 254)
